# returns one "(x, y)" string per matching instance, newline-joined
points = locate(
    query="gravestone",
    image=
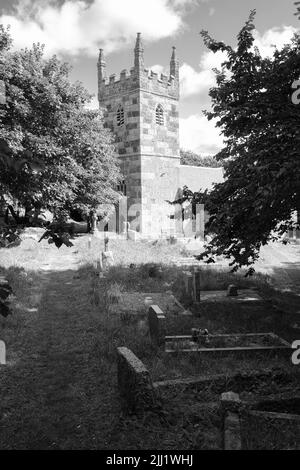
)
(230, 408)
(93, 221)
(99, 264)
(134, 382)
(107, 259)
(196, 285)
(148, 302)
(230, 401)
(157, 329)
(232, 290)
(2, 353)
(188, 281)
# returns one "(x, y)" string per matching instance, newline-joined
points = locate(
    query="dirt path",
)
(51, 391)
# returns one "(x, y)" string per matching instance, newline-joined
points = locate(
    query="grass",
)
(262, 433)
(60, 381)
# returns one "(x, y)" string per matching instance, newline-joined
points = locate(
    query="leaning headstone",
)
(2, 353)
(157, 328)
(134, 381)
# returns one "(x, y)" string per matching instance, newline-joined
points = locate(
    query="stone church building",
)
(141, 109)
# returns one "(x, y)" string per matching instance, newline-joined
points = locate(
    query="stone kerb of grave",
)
(2, 353)
(219, 345)
(157, 325)
(134, 382)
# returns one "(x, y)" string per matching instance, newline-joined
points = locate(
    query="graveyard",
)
(143, 349)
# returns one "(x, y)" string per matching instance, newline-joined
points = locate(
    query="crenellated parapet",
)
(159, 83)
(138, 77)
(126, 82)
(147, 80)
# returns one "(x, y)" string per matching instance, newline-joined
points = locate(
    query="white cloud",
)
(158, 69)
(76, 27)
(200, 81)
(196, 132)
(278, 36)
(200, 135)
(211, 11)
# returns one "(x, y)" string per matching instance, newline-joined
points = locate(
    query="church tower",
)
(141, 109)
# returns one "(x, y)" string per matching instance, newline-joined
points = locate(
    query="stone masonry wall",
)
(159, 184)
(159, 140)
(127, 136)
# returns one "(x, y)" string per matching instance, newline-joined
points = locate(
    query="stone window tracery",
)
(159, 115)
(120, 116)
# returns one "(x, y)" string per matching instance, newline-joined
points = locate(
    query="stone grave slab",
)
(245, 296)
(134, 303)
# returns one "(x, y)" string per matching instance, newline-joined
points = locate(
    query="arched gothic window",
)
(159, 115)
(120, 116)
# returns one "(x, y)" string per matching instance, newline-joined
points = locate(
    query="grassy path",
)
(51, 393)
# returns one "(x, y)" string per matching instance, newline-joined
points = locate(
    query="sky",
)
(76, 29)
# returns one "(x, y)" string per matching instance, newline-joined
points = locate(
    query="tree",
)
(253, 108)
(54, 153)
(187, 157)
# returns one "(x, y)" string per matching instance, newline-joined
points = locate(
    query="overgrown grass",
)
(62, 339)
